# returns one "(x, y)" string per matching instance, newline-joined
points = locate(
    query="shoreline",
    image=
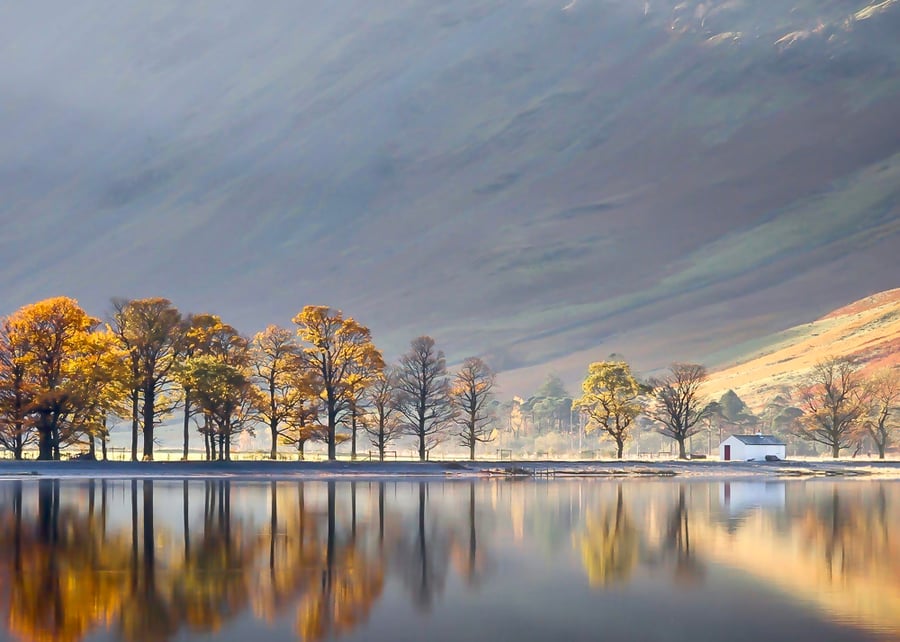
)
(378, 471)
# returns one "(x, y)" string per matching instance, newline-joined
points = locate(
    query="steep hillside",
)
(531, 179)
(867, 331)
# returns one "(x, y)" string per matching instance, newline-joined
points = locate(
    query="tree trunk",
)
(422, 452)
(472, 447)
(835, 449)
(353, 433)
(134, 424)
(103, 452)
(273, 428)
(682, 454)
(332, 417)
(54, 440)
(880, 451)
(300, 446)
(45, 445)
(149, 412)
(187, 423)
(18, 442)
(620, 447)
(212, 447)
(92, 448)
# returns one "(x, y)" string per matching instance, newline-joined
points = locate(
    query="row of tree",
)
(65, 377)
(836, 406)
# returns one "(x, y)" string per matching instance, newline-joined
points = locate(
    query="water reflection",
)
(151, 560)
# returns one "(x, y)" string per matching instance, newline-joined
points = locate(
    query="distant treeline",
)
(65, 377)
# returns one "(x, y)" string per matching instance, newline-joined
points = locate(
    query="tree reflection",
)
(688, 569)
(849, 533)
(470, 560)
(58, 590)
(423, 559)
(213, 584)
(609, 544)
(351, 582)
(149, 612)
(152, 560)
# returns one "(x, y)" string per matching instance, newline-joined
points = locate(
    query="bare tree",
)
(834, 404)
(678, 406)
(382, 423)
(424, 393)
(470, 396)
(884, 395)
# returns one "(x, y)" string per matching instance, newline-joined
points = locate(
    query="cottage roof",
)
(759, 440)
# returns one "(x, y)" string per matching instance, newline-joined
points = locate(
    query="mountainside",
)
(867, 331)
(540, 181)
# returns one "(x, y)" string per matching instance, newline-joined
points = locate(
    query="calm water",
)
(518, 561)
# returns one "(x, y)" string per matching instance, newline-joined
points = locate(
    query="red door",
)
(727, 452)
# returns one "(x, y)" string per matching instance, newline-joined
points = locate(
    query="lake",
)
(588, 559)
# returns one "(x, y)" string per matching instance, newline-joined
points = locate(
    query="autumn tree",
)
(677, 403)
(275, 360)
(16, 393)
(383, 423)
(225, 395)
(122, 326)
(101, 389)
(470, 395)
(423, 387)
(303, 424)
(221, 387)
(304, 428)
(884, 408)
(612, 399)
(55, 332)
(834, 404)
(198, 332)
(152, 332)
(337, 351)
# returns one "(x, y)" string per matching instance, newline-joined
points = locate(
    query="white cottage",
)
(751, 448)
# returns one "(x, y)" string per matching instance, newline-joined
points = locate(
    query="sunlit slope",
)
(532, 180)
(867, 331)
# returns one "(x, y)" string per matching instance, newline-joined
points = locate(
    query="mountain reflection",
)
(151, 560)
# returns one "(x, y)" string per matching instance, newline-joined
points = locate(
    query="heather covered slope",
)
(541, 181)
(867, 331)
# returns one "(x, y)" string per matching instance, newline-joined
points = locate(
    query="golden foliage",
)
(612, 398)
